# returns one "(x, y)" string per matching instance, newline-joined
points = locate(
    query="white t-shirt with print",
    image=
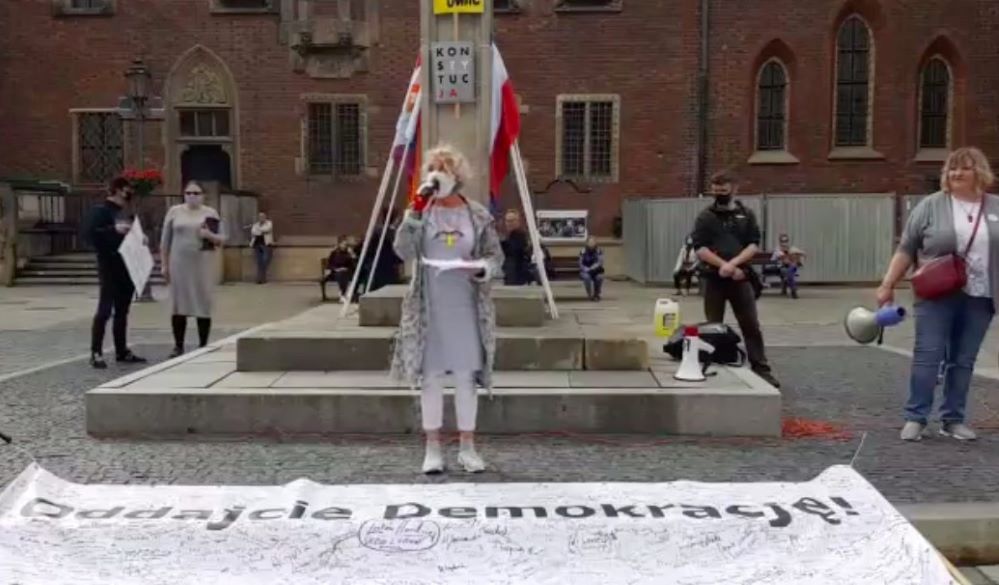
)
(978, 255)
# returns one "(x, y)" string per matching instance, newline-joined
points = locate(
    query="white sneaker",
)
(959, 431)
(433, 461)
(912, 431)
(471, 461)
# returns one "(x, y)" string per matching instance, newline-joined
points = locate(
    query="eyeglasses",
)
(193, 193)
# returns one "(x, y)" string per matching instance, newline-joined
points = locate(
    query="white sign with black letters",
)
(836, 529)
(453, 72)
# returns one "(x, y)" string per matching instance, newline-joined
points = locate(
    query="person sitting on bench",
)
(591, 268)
(686, 266)
(340, 266)
(790, 260)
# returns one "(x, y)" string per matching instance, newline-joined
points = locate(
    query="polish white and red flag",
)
(505, 127)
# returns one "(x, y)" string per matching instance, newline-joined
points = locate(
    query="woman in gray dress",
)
(448, 322)
(188, 248)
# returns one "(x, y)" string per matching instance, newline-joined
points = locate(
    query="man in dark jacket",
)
(726, 237)
(388, 267)
(516, 251)
(106, 229)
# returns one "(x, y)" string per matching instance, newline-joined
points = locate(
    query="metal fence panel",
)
(655, 231)
(634, 233)
(909, 202)
(847, 238)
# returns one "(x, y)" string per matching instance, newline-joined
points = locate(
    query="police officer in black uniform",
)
(106, 230)
(726, 237)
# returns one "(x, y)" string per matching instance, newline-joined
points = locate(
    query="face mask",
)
(446, 181)
(194, 200)
(723, 200)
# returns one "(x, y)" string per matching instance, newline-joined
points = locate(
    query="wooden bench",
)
(768, 270)
(564, 268)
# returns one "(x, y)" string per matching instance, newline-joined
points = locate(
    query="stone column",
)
(469, 130)
(8, 234)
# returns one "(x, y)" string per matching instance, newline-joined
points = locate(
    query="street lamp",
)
(139, 78)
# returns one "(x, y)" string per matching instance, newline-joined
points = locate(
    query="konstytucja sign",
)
(833, 529)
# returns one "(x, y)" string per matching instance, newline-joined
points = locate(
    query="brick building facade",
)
(300, 104)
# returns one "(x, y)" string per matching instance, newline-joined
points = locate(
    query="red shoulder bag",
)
(946, 275)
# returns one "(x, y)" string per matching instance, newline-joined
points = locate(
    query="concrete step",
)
(78, 281)
(370, 349)
(516, 306)
(171, 412)
(65, 274)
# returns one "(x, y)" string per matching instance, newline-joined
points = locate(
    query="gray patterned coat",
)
(407, 355)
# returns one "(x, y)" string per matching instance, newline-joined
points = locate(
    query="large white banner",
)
(836, 529)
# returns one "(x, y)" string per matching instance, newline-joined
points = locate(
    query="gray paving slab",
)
(611, 379)
(991, 573)
(538, 379)
(248, 380)
(346, 379)
(216, 357)
(186, 376)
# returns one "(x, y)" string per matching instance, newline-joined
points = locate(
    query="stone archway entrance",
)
(202, 123)
(208, 163)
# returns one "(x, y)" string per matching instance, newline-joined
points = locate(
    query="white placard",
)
(443, 265)
(836, 529)
(563, 225)
(138, 259)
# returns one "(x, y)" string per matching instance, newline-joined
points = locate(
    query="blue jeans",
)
(948, 331)
(592, 283)
(263, 256)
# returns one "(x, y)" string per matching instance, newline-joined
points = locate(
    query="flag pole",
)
(395, 194)
(386, 176)
(532, 227)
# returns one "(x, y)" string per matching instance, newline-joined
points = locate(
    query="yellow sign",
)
(459, 6)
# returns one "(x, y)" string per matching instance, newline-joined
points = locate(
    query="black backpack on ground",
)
(722, 337)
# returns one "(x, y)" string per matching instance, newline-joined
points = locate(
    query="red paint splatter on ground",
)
(800, 428)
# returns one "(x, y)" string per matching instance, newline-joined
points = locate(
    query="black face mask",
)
(723, 200)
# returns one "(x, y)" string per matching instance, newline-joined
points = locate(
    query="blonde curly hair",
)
(972, 157)
(449, 160)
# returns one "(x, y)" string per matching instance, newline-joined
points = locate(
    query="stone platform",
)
(318, 373)
(516, 306)
(320, 340)
(207, 395)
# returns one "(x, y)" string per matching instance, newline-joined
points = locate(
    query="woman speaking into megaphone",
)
(448, 319)
(952, 237)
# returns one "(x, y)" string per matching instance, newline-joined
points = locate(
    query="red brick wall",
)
(647, 54)
(903, 33)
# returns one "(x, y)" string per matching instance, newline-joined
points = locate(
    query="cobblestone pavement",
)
(40, 325)
(858, 388)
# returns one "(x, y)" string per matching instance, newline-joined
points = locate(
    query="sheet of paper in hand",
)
(835, 529)
(138, 259)
(442, 265)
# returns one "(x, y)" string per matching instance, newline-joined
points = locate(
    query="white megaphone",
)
(690, 369)
(865, 326)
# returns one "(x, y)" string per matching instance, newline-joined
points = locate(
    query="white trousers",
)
(466, 400)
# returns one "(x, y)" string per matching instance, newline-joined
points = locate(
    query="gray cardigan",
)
(929, 233)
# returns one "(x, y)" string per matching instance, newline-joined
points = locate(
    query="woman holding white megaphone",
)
(448, 322)
(952, 238)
